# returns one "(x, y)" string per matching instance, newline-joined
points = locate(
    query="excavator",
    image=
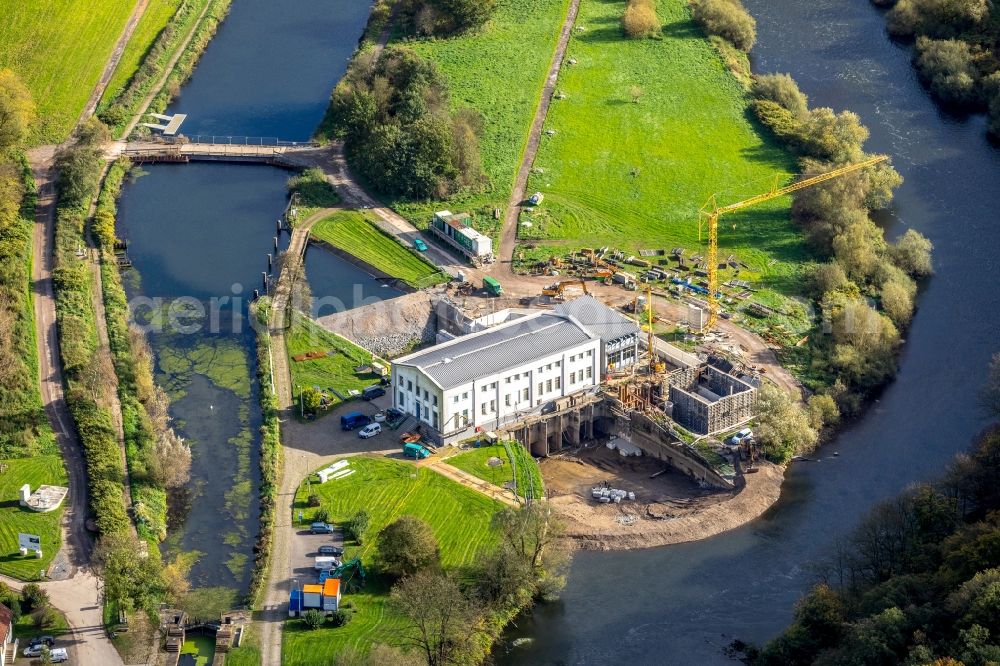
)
(556, 289)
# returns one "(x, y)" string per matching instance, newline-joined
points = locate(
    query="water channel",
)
(201, 232)
(683, 604)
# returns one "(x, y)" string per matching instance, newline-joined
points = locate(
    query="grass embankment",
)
(335, 370)
(633, 174)
(529, 476)
(41, 469)
(164, 26)
(59, 50)
(311, 192)
(388, 489)
(355, 233)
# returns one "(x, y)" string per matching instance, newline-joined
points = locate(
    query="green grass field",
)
(153, 20)
(334, 371)
(499, 71)
(388, 489)
(529, 476)
(59, 48)
(353, 232)
(38, 470)
(634, 174)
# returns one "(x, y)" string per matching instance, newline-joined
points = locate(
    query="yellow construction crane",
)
(656, 366)
(710, 213)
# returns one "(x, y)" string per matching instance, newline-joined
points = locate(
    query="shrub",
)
(823, 410)
(727, 19)
(314, 500)
(912, 253)
(782, 90)
(33, 598)
(640, 19)
(407, 546)
(339, 618)
(947, 67)
(313, 618)
(321, 516)
(783, 427)
(939, 18)
(357, 525)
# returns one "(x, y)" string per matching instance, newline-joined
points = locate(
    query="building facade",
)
(485, 380)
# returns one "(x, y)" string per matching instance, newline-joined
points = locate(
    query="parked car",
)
(738, 438)
(321, 528)
(370, 430)
(379, 417)
(354, 420)
(330, 549)
(59, 655)
(40, 640)
(372, 392)
(420, 245)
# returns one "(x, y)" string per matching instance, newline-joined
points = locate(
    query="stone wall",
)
(387, 328)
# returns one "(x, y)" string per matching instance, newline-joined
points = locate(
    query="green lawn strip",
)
(635, 174)
(334, 371)
(158, 13)
(498, 71)
(38, 470)
(25, 629)
(248, 653)
(474, 461)
(354, 233)
(59, 50)
(388, 489)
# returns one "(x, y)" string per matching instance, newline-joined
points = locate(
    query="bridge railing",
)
(217, 139)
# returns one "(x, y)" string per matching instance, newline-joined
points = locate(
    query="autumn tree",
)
(407, 546)
(437, 616)
(17, 111)
(783, 426)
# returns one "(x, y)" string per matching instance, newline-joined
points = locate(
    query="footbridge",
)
(223, 149)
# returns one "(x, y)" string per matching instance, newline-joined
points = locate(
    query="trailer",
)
(492, 286)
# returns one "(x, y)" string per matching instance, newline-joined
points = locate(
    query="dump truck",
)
(492, 286)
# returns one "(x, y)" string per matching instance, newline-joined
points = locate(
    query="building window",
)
(590, 372)
(434, 420)
(517, 376)
(493, 405)
(541, 387)
(590, 353)
(465, 396)
(401, 398)
(425, 394)
(539, 368)
(506, 400)
(526, 395)
(409, 385)
(482, 409)
(465, 417)
(558, 382)
(507, 380)
(455, 400)
(548, 367)
(435, 400)
(483, 389)
(558, 364)
(427, 413)
(572, 378)
(548, 386)
(493, 386)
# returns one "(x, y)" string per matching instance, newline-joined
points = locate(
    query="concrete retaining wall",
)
(390, 327)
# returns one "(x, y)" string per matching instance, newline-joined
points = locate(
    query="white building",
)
(491, 378)
(484, 380)
(8, 644)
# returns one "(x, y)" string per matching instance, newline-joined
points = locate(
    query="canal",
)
(684, 604)
(198, 236)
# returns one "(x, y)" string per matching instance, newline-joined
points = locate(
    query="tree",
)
(172, 459)
(313, 618)
(823, 410)
(357, 525)
(782, 90)
(529, 531)
(46, 656)
(131, 579)
(727, 19)
(33, 597)
(44, 616)
(947, 66)
(321, 515)
(407, 546)
(990, 397)
(827, 277)
(437, 616)
(783, 426)
(640, 20)
(505, 577)
(833, 137)
(17, 111)
(912, 253)
(897, 299)
(311, 400)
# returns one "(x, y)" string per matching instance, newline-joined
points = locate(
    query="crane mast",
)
(711, 212)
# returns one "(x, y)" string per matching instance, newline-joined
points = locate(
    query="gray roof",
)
(494, 350)
(598, 318)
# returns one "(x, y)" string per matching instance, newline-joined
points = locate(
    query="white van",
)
(738, 438)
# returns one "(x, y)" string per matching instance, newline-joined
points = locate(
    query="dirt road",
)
(508, 234)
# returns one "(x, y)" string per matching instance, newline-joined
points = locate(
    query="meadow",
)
(498, 71)
(354, 233)
(37, 470)
(529, 476)
(388, 489)
(334, 371)
(641, 133)
(59, 49)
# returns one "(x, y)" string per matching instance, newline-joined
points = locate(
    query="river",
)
(201, 232)
(683, 604)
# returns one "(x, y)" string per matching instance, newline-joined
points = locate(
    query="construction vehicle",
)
(345, 572)
(492, 286)
(556, 289)
(711, 211)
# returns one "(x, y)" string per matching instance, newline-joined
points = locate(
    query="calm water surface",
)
(683, 604)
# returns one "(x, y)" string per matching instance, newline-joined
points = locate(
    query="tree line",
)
(957, 50)
(24, 428)
(865, 286)
(918, 582)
